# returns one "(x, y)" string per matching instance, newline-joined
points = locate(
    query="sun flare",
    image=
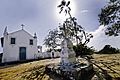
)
(62, 15)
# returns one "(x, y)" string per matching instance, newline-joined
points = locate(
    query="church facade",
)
(19, 45)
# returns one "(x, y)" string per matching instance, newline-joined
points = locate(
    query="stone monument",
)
(67, 53)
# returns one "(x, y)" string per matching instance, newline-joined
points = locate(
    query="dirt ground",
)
(27, 71)
(35, 70)
(109, 62)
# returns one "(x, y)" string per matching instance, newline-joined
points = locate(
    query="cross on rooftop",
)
(22, 25)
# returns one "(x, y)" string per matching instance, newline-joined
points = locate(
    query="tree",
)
(72, 30)
(110, 16)
(108, 50)
(83, 50)
(69, 29)
(52, 39)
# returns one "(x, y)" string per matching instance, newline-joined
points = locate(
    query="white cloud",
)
(84, 11)
(100, 39)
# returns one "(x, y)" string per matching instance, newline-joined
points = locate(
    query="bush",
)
(108, 50)
(82, 50)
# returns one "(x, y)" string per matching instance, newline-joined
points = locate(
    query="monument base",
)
(75, 71)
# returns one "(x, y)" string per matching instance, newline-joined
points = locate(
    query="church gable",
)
(21, 33)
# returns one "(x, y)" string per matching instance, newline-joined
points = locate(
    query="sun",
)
(62, 16)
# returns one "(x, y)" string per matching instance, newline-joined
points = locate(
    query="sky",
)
(100, 39)
(40, 16)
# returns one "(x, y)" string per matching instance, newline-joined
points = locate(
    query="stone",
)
(67, 52)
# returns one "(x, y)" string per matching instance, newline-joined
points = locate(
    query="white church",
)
(18, 45)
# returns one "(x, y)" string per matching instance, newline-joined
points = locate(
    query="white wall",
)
(11, 51)
(49, 54)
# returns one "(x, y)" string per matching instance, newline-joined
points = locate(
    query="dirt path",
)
(26, 70)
